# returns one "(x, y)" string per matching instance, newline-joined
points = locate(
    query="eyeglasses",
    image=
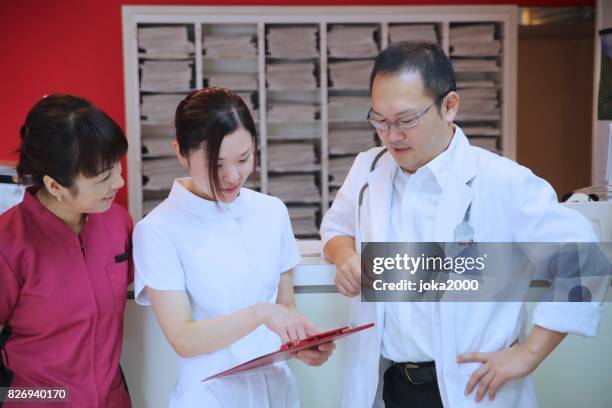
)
(401, 124)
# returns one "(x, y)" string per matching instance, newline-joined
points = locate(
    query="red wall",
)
(74, 46)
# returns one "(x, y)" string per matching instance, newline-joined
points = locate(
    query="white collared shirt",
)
(407, 332)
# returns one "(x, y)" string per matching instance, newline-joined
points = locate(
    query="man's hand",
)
(497, 369)
(348, 276)
(510, 364)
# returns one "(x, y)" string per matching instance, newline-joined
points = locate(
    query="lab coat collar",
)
(203, 208)
(439, 166)
(456, 195)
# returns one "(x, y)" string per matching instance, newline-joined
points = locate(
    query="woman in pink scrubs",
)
(65, 261)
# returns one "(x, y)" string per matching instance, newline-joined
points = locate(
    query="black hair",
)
(204, 118)
(64, 136)
(427, 59)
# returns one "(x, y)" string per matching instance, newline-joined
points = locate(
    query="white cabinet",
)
(304, 73)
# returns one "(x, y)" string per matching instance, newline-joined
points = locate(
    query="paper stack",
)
(235, 82)
(350, 74)
(283, 112)
(292, 42)
(303, 220)
(157, 147)
(474, 41)
(479, 110)
(166, 76)
(352, 42)
(295, 189)
(350, 141)
(160, 109)
(339, 168)
(229, 46)
(298, 76)
(413, 32)
(159, 174)
(164, 42)
(475, 65)
(480, 83)
(348, 108)
(292, 157)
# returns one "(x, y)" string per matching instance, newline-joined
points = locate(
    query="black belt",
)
(416, 373)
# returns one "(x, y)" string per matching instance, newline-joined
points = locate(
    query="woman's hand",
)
(286, 322)
(497, 369)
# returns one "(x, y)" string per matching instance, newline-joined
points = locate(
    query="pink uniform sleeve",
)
(9, 290)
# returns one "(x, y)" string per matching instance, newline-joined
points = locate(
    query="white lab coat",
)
(509, 204)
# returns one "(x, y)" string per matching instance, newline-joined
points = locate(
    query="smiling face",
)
(89, 195)
(236, 160)
(399, 96)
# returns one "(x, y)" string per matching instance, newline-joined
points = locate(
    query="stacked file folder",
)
(479, 104)
(292, 157)
(280, 112)
(474, 41)
(350, 74)
(476, 83)
(166, 76)
(475, 65)
(303, 220)
(348, 108)
(229, 46)
(159, 174)
(352, 42)
(350, 141)
(160, 109)
(153, 147)
(413, 32)
(295, 188)
(164, 42)
(297, 76)
(235, 82)
(292, 42)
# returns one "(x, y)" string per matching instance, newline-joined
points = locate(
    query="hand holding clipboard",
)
(288, 349)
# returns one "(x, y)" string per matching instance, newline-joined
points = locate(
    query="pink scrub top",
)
(63, 296)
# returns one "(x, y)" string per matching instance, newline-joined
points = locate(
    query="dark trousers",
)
(398, 393)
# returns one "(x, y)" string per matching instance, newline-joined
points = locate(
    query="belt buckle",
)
(406, 367)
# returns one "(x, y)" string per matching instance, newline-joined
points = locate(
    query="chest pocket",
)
(117, 272)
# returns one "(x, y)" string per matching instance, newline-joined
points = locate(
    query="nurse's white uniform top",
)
(226, 256)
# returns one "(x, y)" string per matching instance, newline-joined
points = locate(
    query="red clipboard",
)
(291, 347)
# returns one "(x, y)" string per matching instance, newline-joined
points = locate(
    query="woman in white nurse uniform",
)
(214, 260)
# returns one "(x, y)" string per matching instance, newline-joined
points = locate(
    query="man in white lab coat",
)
(442, 354)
